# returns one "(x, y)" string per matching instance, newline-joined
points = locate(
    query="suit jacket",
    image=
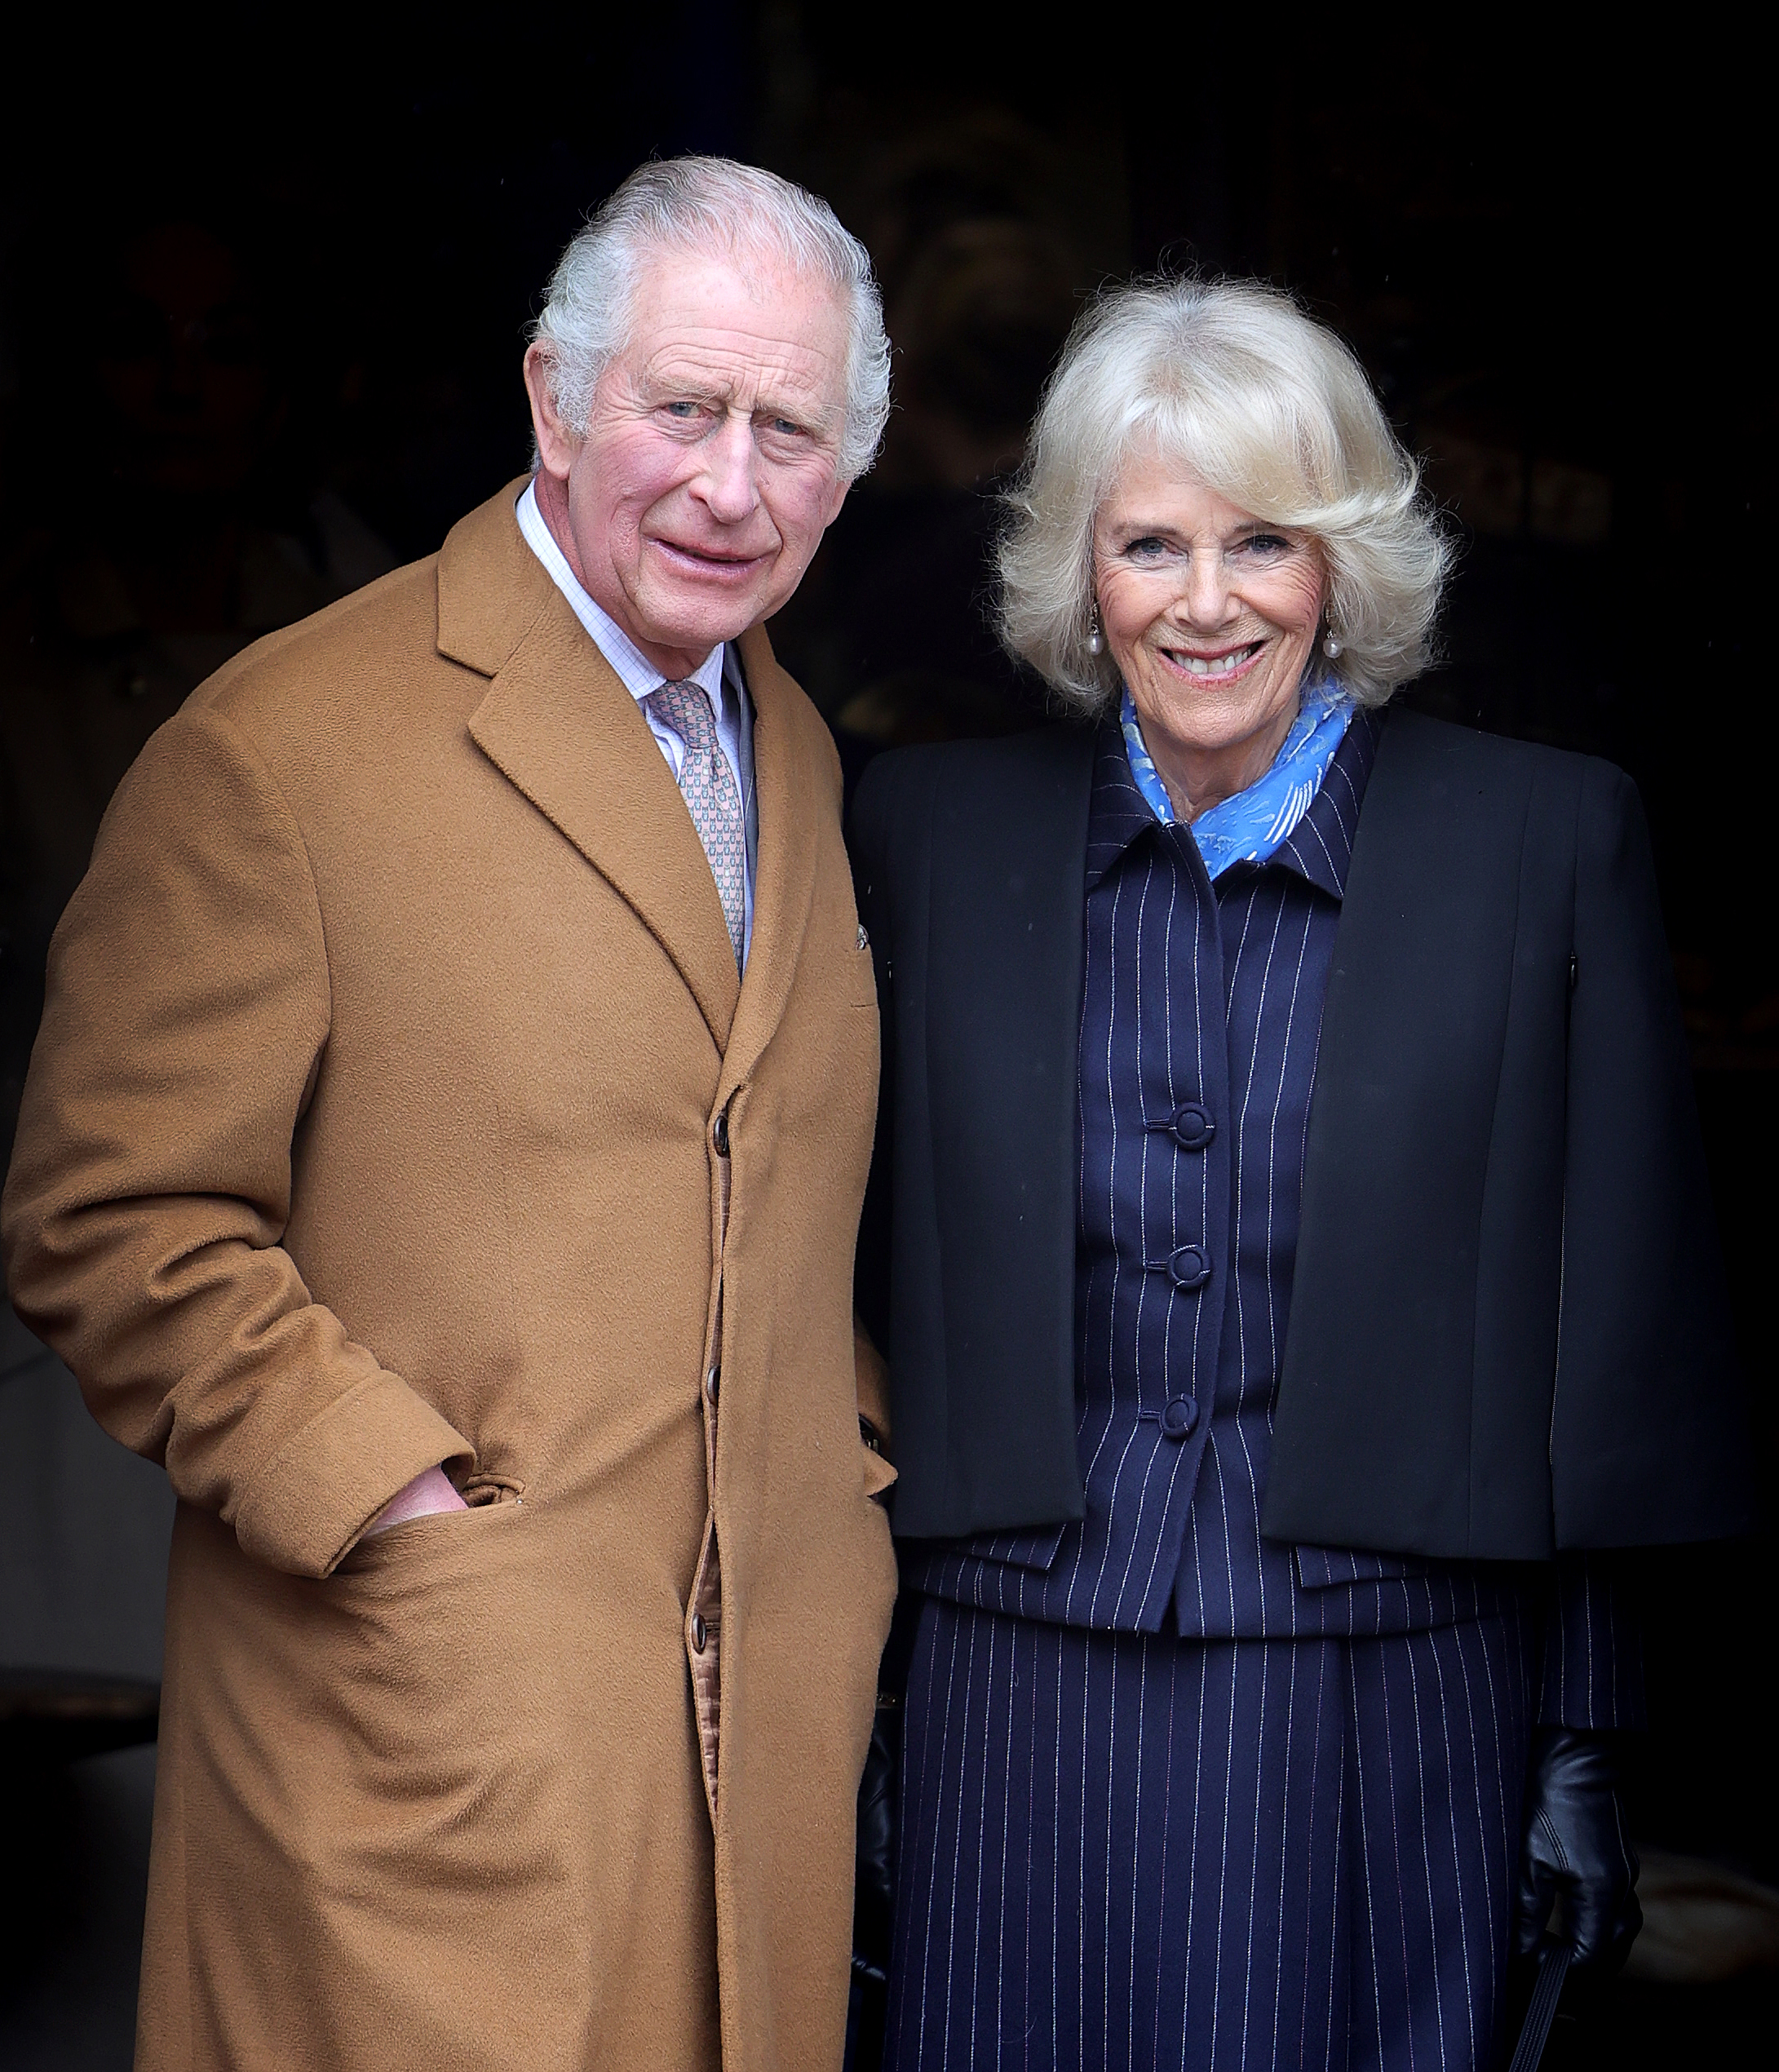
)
(372, 1124)
(1508, 1332)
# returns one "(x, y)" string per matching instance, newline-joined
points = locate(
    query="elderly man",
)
(443, 1150)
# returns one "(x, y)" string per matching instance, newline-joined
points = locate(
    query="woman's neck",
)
(1196, 779)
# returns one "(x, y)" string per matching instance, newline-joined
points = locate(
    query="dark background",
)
(263, 291)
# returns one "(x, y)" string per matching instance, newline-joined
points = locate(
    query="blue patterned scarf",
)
(1249, 827)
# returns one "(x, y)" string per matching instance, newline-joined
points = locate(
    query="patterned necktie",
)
(708, 785)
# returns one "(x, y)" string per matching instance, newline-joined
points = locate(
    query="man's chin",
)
(686, 615)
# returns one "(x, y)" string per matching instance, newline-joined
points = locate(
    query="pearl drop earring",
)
(1332, 647)
(1096, 640)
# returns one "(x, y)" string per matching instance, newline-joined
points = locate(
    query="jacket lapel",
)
(560, 726)
(791, 796)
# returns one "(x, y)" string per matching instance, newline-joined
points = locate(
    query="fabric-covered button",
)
(700, 1631)
(1189, 1266)
(1192, 1125)
(1179, 1418)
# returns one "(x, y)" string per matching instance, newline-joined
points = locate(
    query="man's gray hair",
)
(1234, 384)
(701, 206)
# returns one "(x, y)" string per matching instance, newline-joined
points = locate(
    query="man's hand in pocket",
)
(423, 1497)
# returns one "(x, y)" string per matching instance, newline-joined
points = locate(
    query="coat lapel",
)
(560, 726)
(791, 796)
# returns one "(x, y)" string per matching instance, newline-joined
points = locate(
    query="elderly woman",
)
(1290, 1236)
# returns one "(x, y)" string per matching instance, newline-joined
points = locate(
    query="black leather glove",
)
(874, 1891)
(1577, 1846)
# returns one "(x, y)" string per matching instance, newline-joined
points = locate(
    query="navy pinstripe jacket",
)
(1505, 1329)
(1201, 1012)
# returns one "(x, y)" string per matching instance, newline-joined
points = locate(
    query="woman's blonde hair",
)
(1258, 402)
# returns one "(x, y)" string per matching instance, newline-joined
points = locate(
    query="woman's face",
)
(1210, 617)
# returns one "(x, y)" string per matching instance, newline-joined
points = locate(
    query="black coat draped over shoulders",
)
(1508, 1332)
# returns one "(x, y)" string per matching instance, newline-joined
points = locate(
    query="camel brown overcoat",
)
(374, 1123)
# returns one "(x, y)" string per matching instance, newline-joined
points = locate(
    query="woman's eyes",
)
(1151, 547)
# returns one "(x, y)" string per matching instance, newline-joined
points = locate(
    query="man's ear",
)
(556, 444)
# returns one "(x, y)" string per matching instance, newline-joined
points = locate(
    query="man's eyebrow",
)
(701, 389)
(809, 412)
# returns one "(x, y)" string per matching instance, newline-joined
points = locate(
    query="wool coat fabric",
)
(391, 1045)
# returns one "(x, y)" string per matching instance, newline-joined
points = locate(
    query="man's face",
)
(708, 471)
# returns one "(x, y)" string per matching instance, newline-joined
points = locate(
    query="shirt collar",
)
(1319, 848)
(716, 675)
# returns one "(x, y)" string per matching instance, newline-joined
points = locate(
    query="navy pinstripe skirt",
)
(1123, 1849)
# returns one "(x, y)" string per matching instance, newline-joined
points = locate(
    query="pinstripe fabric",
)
(1175, 1793)
(1197, 996)
(1125, 1850)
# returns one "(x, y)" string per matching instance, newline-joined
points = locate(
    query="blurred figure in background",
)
(980, 317)
(130, 588)
(983, 267)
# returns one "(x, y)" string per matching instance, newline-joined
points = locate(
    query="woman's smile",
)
(1222, 667)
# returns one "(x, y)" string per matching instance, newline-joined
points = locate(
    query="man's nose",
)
(728, 485)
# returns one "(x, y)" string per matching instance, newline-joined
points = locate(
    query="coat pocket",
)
(483, 1494)
(429, 1635)
(378, 1771)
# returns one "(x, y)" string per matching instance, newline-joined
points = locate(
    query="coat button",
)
(1189, 1266)
(719, 1133)
(1180, 1416)
(699, 1633)
(1192, 1125)
(711, 1381)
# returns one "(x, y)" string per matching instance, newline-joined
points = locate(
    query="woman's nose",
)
(1205, 599)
